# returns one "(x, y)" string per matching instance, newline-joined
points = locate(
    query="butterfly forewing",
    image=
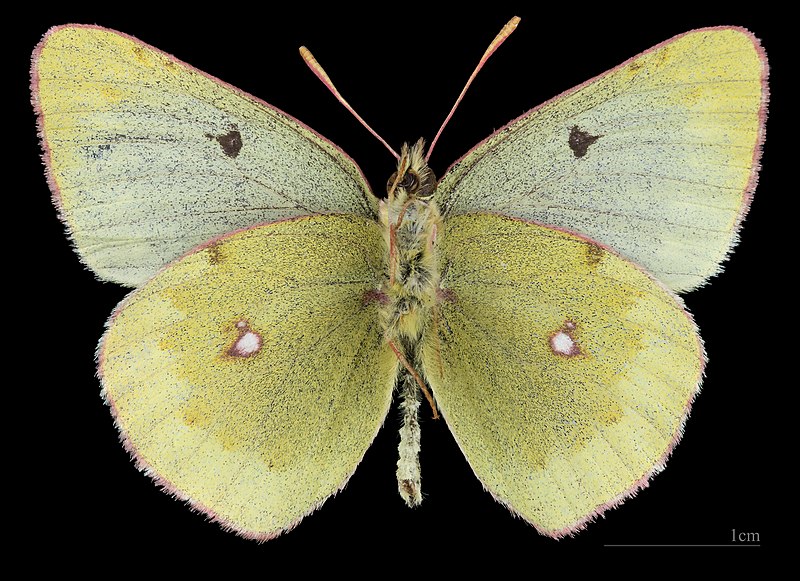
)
(149, 157)
(656, 159)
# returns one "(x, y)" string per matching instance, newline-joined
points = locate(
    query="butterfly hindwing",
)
(656, 159)
(250, 376)
(148, 157)
(564, 371)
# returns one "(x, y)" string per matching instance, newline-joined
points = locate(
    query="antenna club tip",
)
(512, 24)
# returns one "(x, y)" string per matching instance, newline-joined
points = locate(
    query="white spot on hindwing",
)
(562, 341)
(247, 344)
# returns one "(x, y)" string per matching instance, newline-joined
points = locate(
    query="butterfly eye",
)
(409, 182)
(427, 187)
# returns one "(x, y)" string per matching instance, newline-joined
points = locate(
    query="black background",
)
(401, 68)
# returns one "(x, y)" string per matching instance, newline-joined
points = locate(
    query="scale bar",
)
(672, 546)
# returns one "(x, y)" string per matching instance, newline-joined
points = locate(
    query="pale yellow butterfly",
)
(585, 446)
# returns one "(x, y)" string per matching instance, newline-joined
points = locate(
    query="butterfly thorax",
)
(411, 224)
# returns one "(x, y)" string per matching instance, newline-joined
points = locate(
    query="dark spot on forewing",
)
(579, 141)
(230, 142)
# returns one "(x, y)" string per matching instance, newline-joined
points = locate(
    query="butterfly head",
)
(413, 178)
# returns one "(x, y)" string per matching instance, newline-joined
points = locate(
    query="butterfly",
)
(528, 296)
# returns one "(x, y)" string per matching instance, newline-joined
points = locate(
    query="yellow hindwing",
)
(250, 376)
(564, 371)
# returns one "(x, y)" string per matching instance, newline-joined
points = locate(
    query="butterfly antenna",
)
(326, 80)
(510, 26)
